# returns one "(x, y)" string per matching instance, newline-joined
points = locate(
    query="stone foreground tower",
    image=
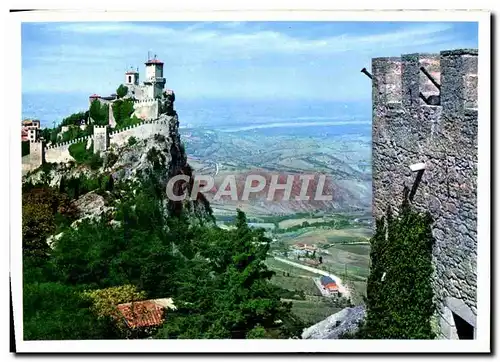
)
(425, 116)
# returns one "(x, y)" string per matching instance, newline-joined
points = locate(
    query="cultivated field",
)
(285, 224)
(346, 253)
(328, 236)
(315, 307)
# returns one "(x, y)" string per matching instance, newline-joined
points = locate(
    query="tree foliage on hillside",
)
(75, 132)
(399, 292)
(99, 113)
(54, 311)
(82, 155)
(104, 301)
(44, 209)
(74, 119)
(217, 278)
(123, 110)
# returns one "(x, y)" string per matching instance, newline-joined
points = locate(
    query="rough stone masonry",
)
(406, 131)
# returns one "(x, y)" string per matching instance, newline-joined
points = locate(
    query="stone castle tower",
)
(425, 138)
(132, 77)
(101, 138)
(154, 83)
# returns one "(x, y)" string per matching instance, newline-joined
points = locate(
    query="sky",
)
(246, 60)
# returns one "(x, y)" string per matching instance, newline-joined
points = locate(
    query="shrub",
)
(74, 187)
(75, 132)
(83, 156)
(104, 301)
(95, 161)
(110, 159)
(79, 152)
(132, 141)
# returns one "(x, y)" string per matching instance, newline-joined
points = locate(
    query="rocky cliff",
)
(161, 154)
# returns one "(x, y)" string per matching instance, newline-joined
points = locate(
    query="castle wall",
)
(407, 131)
(147, 109)
(142, 131)
(136, 91)
(58, 154)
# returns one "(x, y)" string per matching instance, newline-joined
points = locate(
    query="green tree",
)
(104, 301)
(123, 110)
(53, 311)
(43, 208)
(236, 296)
(121, 91)
(399, 292)
(258, 332)
(74, 119)
(217, 277)
(99, 113)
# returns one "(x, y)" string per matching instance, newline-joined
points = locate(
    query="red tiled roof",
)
(331, 286)
(142, 314)
(95, 96)
(30, 123)
(154, 61)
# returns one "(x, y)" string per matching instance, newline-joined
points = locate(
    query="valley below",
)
(329, 236)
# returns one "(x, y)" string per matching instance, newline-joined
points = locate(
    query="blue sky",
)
(281, 60)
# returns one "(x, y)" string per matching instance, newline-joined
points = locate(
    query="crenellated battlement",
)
(146, 101)
(425, 114)
(447, 79)
(67, 143)
(118, 131)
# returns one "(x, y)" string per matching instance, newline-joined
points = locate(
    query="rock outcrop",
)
(344, 322)
(91, 206)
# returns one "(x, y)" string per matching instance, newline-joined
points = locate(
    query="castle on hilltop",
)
(424, 138)
(152, 86)
(150, 98)
(153, 105)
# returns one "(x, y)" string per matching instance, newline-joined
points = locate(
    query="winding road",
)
(342, 288)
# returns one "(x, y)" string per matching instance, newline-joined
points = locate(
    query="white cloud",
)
(227, 37)
(218, 58)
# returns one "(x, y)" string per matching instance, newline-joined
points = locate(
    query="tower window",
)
(130, 79)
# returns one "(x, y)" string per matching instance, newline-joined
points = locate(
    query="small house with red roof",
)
(142, 316)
